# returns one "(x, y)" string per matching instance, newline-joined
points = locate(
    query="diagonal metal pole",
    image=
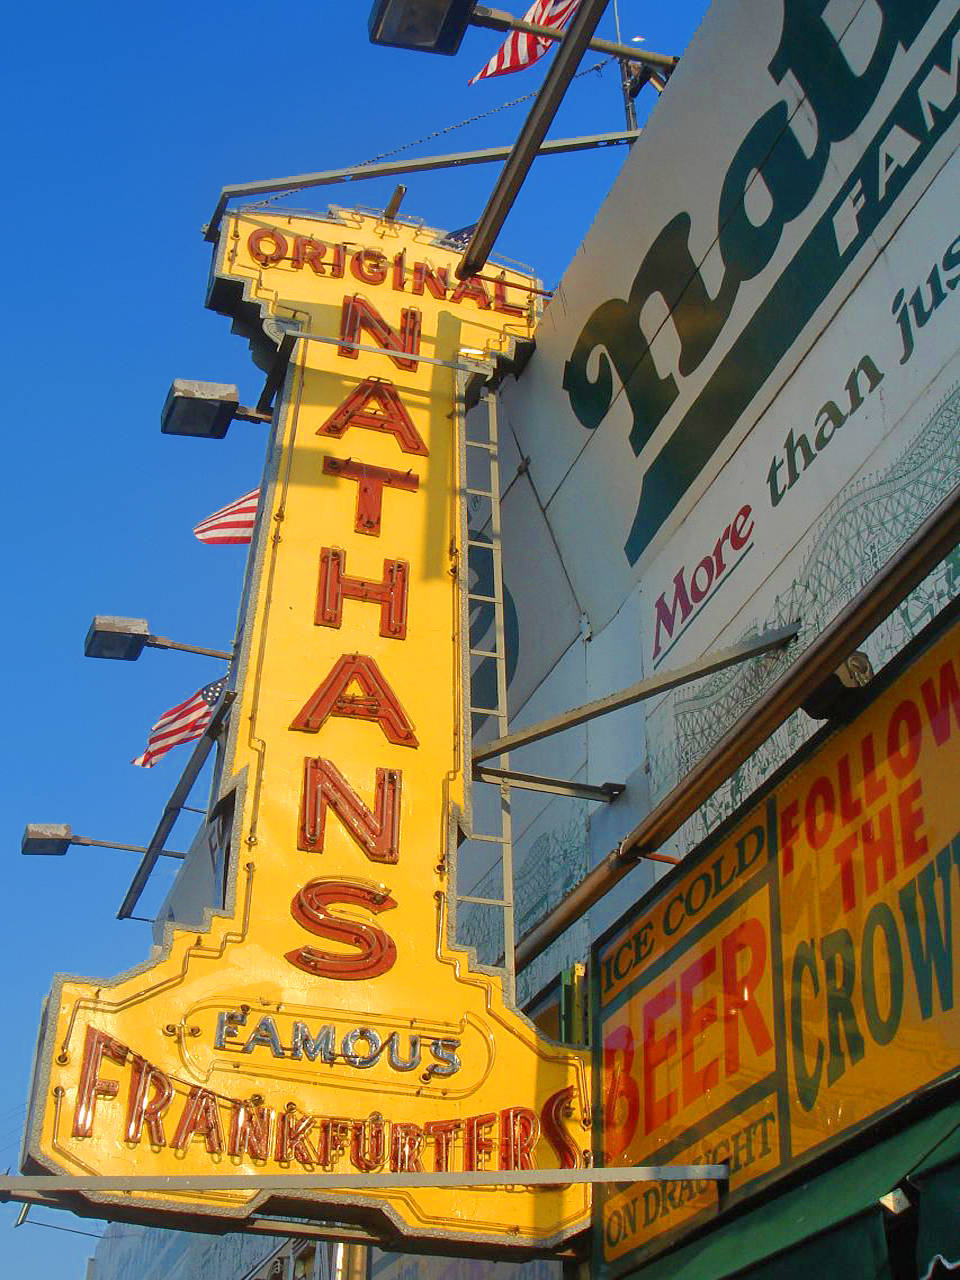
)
(498, 20)
(639, 692)
(545, 107)
(173, 806)
(391, 168)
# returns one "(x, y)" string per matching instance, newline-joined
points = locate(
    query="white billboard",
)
(743, 397)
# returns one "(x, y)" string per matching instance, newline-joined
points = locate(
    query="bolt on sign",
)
(794, 980)
(324, 1022)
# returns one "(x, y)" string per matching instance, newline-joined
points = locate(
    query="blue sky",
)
(123, 124)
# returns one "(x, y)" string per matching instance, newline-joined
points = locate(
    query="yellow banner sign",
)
(323, 1022)
(794, 980)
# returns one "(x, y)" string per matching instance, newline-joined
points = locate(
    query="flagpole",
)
(629, 107)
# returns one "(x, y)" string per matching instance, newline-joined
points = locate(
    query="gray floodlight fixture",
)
(204, 409)
(428, 26)
(118, 638)
(53, 839)
(46, 838)
(126, 638)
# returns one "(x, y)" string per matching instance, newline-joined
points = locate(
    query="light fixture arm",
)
(128, 848)
(163, 642)
(498, 20)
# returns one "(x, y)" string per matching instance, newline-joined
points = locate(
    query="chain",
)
(439, 133)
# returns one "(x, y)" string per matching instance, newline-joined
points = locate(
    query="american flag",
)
(520, 50)
(182, 723)
(231, 524)
(458, 239)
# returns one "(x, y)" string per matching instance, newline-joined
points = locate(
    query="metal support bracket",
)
(498, 20)
(778, 638)
(606, 791)
(274, 379)
(389, 169)
(54, 1184)
(530, 139)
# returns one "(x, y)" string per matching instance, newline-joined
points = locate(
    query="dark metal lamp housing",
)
(199, 409)
(46, 838)
(429, 26)
(122, 638)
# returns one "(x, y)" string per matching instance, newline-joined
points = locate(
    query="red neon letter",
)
(91, 1087)
(139, 1110)
(390, 593)
(376, 702)
(390, 416)
(250, 1131)
(376, 831)
(357, 314)
(374, 952)
(371, 482)
(200, 1115)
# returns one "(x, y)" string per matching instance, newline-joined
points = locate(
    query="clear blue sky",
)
(123, 122)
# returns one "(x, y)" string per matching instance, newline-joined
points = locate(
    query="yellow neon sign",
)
(324, 1022)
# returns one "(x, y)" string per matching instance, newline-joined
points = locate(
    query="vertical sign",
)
(323, 1022)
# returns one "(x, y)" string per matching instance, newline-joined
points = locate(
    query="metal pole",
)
(162, 642)
(131, 848)
(173, 806)
(364, 172)
(629, 106)
(643, 689)
(283, 1182)
(498, 20)
(937, 536)
(545, 107)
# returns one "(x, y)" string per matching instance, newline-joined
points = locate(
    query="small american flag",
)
(182, 723)
(458, 239)
(520, 50)
(232, 524)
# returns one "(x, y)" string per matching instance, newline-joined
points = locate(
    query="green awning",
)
(830, 1225)
(937, 1180)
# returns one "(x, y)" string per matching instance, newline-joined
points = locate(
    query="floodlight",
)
(126, 638)
(48, 838)
(120, 638)
(204, 409)
(55, 838)
(429, 26)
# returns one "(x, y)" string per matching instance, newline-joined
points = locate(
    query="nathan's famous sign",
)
(323, 1022)
(797, 980)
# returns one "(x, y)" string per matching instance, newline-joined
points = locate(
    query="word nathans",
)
(690, 593)
(355, 687)
(170, 1113)
(828, 420)
(268, 246)
(839, 93)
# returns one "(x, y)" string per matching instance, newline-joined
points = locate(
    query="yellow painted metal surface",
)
(323, 1022)
(797, 980)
